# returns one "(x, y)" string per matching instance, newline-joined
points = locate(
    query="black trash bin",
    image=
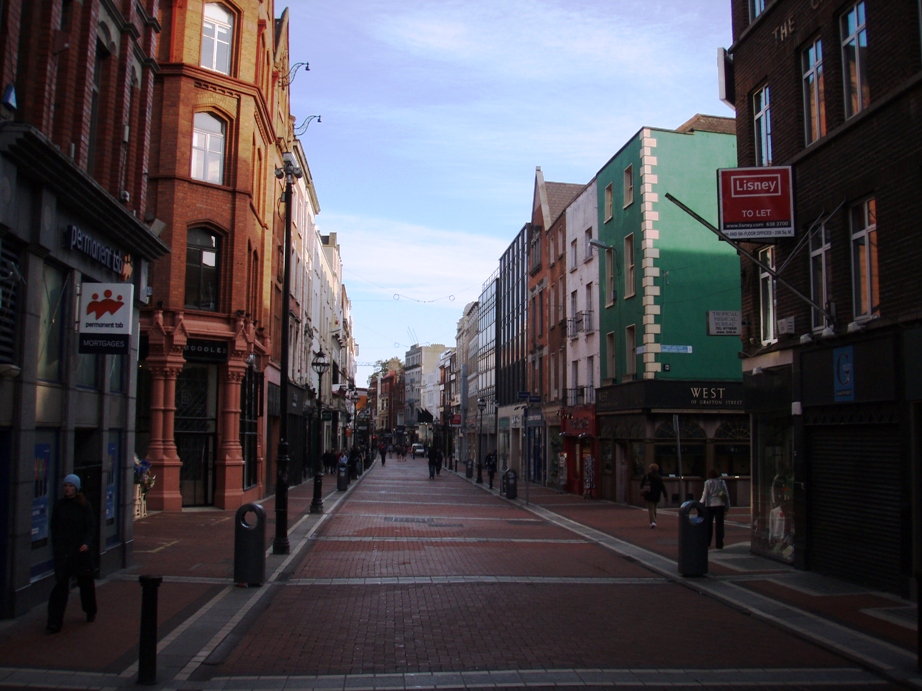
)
(693, 539)
(469, 469)
(250, 546)
(342, 477)
(512, 489)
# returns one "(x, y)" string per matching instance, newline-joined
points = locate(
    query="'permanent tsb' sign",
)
(756, 203)
(105, 317)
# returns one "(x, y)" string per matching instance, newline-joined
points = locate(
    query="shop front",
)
(581, 451)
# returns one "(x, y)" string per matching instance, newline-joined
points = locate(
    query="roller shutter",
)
(853, 495)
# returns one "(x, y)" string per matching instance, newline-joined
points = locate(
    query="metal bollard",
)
(342, 477)
(250, 546)
(469, 469)
(512, 490)
(147, 645)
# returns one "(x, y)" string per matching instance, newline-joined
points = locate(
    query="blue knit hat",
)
(73, 480)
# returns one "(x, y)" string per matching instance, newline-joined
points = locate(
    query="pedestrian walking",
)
(439, 460)
(73, 529)
(652, 489)
(383, 451)
(490, 462)
(433, 460)
(716, 497)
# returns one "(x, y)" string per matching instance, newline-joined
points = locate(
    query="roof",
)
(559, 196)
(709, 123)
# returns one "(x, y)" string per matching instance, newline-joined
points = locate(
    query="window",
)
(756, 7)
(865, 278)
(854, 60)
(588, 315)
(610, 370)
(763, 126)
(590, 372)
(629, 265)
(553, 374)
(217, 31)
(820, 274)
(608, 202)
(540, 312)
(767, 297)
(610, 296)
(573, 256)
(814, 92)
(208, 149)
(628, 186)
(630, 353)
(51, 324)
(99, 70)
(587, 238)
(202, 248)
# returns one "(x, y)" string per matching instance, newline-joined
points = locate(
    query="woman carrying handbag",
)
(717, 499)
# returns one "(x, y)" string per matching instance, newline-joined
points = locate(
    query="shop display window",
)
(773, 488)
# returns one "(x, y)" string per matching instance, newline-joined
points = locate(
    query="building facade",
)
(75, 122)
(833, 387)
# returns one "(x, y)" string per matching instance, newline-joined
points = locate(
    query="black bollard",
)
(147, 649)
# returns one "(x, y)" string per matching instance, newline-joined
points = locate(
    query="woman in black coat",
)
(652, 489)
(73, 529)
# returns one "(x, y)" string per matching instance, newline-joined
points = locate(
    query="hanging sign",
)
(756, 203)
(105, 317)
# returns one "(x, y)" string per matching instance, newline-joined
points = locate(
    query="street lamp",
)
(320, 364)
(481, 406)
(289, 171)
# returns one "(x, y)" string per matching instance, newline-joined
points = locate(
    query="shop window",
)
(208, 135)
(773, 488)
(855, 60)
(86, 370)
(202, 270)
(45, 455)
(217, 38)
(117, 364)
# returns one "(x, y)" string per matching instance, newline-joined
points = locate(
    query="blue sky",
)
(435, 114)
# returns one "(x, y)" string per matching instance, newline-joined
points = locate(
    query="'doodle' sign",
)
(105, 317)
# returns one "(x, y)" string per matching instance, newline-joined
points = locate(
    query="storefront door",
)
(196, 439)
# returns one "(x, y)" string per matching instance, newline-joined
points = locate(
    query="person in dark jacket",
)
(490, 463)
(73, 529)
(652, 489)
(433, 461)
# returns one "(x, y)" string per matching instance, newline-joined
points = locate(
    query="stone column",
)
(229, 465)
(164, 460)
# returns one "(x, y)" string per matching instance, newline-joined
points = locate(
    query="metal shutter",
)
(853, 495)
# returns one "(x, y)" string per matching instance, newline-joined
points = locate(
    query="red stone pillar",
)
(164, 460)
(229, 465)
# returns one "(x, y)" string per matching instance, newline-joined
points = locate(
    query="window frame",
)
(201, 248)
(218, 24)
(865, 274)
(767, 326)
(814, 90)
(610, 359)
(820, 274)
(630, 277)
(762, 125)
(207, 155)
(630, 353)
(628, 179)
(857, 95)
(756, 9)
(609, 202)
(610, 295)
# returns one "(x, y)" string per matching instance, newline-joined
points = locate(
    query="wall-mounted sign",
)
(81, 241)
(201, 350)
(843, 382)
(725, 323)
(105, 317)
(756, 203)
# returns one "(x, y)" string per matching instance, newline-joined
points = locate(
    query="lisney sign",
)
(105, 317)
(756, 203)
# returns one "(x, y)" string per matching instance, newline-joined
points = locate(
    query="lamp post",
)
(289, 171)
(320, 364)
(481, 406)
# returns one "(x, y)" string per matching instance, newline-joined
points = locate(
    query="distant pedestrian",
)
(73, 529)
(716, 497)
(652, 489)
(383, 453)
(439, 460)
(433, 461)
(490, 462)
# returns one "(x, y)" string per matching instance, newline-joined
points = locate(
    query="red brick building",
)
(833, 89)
(222, 124)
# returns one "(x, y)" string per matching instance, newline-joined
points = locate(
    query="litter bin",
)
(469, 469)
(512, 490)
(693, 539)
(250, 546)
(342, 477)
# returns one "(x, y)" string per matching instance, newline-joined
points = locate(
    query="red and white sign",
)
(756, 203)
(105, 317)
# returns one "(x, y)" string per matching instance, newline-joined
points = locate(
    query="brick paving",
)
(416, 583)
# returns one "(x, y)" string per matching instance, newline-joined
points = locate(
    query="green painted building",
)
(669, 313)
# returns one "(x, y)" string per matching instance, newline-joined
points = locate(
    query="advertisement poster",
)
(40, 492)
(562, 468)
(588, 475)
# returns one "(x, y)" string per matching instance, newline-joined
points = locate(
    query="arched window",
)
(208, 148)
(217, 37)
(203, 254)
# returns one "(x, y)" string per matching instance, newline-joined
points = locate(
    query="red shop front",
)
(581, 446)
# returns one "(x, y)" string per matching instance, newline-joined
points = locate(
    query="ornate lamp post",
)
(320, 364)
(481, 406)
(289, 171)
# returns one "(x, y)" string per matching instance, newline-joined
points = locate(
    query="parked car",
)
(418, 450)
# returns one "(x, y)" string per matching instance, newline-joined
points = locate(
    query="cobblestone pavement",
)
(407, 582)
